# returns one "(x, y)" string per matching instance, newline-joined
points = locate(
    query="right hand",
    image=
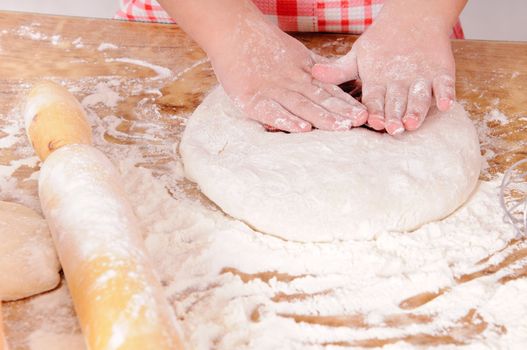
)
(267, 74)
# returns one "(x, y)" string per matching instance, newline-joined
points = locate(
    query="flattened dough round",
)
(324, 186)
(28, 262)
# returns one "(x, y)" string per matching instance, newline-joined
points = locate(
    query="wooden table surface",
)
(490, 76)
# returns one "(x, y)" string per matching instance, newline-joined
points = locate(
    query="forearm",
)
(434, 14)
(212, 22)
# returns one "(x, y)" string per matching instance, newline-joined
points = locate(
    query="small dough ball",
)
(28, 262)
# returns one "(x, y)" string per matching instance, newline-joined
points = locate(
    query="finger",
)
(394, 107)
(338, 92)
(269, 112)
(342, 70)
(373, 99)
(335, 100)
(444, 91)
(306, 109)
(419, 100)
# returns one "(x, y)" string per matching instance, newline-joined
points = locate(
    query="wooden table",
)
(490, 75)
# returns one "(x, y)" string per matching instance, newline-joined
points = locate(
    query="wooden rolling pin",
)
(117, 296)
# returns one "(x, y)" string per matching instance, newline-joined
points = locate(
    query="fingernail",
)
(360, 118)
(397, 131)
(394, 128)
(376, 121)
(445, 104)
(411, 122)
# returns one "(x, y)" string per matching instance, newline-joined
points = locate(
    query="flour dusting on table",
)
(455, 282)
(235, 288)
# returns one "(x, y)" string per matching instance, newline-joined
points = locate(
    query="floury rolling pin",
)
(118, 299)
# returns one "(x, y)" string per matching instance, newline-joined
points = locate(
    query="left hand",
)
(401, 67)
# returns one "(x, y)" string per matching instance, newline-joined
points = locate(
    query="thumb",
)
(337, 72)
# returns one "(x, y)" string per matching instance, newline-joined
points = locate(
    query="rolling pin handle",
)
(54, 119)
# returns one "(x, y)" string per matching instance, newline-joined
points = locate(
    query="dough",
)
(28, 263)
(323, 185)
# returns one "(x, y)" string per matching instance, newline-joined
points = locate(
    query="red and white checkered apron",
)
(337, 16)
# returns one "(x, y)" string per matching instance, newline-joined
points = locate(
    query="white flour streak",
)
(107, 46)
(162, 72)
(192, 66)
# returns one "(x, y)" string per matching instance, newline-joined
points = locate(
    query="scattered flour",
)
(58, 329)
(55, 39)
(78, 43)
(10, 137)
(103, 94)
(234, 288)
(31, 32)
(497, 116)
(214, 271)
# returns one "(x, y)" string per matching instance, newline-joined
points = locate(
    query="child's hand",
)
(401, 64)
(265, 71)
(268, 74)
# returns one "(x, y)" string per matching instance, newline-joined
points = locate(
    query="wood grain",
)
(490, 76)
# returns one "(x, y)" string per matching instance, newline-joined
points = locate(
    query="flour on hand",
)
(324, 186)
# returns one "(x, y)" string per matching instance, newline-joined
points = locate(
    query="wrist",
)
(214, 25)
(247, 39)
